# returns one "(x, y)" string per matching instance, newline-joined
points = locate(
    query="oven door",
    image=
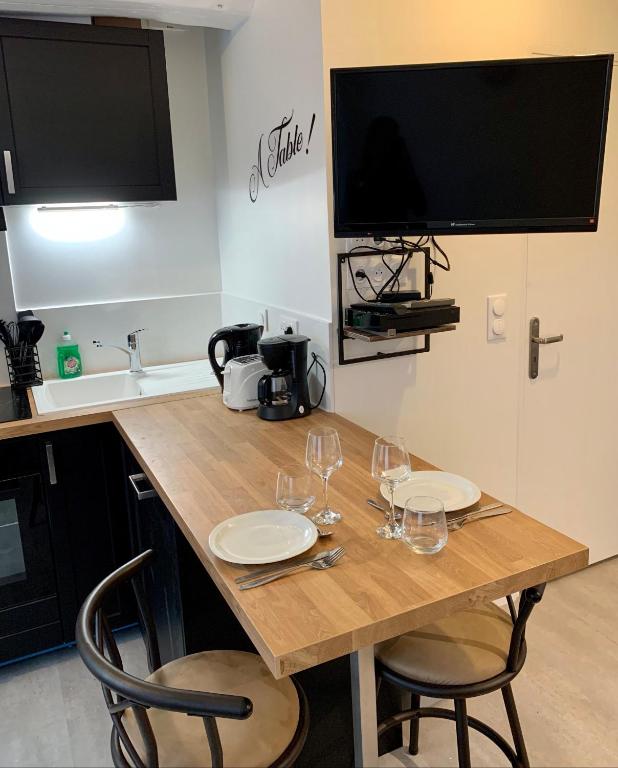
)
(29, 611)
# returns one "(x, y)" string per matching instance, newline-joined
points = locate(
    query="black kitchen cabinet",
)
(89, 517)
(63, 527)
(84, 114)
(153, 528)
(189, 612)
(30, 615)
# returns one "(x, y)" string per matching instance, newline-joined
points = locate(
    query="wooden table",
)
(207, 463)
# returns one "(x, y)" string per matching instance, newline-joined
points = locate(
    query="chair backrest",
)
(99, 651)
(527, 600)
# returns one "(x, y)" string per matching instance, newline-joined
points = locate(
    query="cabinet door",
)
(84, 114)
(89, 517)
(152, 528)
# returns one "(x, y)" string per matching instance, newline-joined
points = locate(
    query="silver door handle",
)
(547, 339)
(147, 493)
(51, 464)
(534, 341)
(8, 167)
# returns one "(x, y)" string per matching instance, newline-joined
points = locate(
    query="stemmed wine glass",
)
(390, 465)
(324, 457)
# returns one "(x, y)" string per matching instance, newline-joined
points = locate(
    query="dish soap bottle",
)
(69, 360)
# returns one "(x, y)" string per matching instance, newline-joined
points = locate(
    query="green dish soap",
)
(69, 359)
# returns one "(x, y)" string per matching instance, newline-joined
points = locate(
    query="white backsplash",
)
(235, 309)
(177, 330)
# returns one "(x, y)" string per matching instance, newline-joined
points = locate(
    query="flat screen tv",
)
(473, 147)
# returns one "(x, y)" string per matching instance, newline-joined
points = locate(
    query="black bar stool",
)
(473, 652)
(199, 710)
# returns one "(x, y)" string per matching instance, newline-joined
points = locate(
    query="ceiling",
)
(223, 14)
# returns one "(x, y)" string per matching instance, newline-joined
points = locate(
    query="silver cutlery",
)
(456, 523)
(373, 503)
(494, 505)
(282, 566)
(320, 564)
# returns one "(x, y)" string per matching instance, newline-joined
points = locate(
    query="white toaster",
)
(240, 382)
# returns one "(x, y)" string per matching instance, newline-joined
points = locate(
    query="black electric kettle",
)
(238, 340)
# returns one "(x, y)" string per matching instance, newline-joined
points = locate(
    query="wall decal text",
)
(285, 142)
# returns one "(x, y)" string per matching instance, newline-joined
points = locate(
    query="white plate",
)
(265, 536)
(454, 491)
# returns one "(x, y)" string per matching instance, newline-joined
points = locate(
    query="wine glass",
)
(424, 525)
(295, 489)
(324, 457)
(390, 465)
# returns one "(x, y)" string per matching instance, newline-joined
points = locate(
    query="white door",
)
(568, 425)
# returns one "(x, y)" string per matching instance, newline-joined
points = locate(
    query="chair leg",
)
(415, 703)
(518, 737)
(463, 744)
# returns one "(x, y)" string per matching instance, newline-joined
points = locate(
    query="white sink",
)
(114, 387)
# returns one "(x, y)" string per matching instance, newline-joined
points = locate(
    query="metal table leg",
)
(362, 665)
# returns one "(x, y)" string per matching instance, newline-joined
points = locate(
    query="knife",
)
(283, 565)
(457, 522)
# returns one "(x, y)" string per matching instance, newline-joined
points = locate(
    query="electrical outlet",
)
(262, 318)
(285, 323)
(357, 242)
(378, 274)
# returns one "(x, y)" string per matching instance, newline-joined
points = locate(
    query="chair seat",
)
(467, 647)
(257, 741)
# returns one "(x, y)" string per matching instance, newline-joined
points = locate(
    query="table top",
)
(208, 463)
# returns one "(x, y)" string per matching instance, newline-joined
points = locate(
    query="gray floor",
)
(52, 711)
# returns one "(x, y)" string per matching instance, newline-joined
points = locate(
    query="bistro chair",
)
(473, 652)
(213, 708)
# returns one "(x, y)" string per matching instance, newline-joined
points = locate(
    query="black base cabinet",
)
(63, 528)
(88, 511)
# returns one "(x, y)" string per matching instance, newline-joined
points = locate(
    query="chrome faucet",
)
(132, 350)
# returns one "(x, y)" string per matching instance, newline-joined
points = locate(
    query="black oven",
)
(29, 607)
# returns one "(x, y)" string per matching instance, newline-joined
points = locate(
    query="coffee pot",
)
(284, 393)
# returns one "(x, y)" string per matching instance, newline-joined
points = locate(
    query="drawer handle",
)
(51, 464)
(8, 167)
(149, 493)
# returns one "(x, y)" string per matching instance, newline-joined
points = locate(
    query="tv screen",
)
(475, 147)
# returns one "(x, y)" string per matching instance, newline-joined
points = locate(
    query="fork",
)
(318, 565)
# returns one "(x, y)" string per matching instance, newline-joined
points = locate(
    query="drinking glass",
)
(324, 457)
(390, 465)
(295, 489)
(424, 525)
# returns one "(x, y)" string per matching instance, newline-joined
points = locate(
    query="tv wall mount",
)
(347, 333)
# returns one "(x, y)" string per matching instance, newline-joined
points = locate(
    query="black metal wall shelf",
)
(347, 333)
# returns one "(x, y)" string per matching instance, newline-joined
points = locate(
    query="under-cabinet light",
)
(94, 207)
(78, 224)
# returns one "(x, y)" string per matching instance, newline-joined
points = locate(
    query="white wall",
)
(168, 251)
(7, 303)
(458, 405)
(274, 251)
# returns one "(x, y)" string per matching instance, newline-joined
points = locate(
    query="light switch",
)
(496, 317)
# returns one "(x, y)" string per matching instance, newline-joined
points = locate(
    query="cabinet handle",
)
(8, 166)
(51, 464)
(149, 493)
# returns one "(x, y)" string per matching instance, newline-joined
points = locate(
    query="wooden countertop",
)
(208, 463)
(81, 417)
